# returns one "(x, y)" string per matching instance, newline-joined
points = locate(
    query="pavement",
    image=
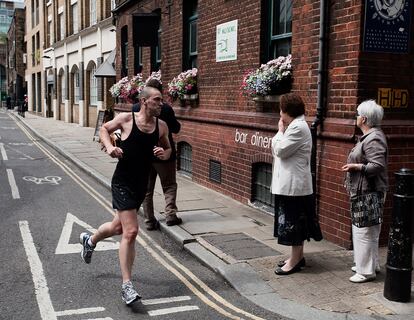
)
(237, 242)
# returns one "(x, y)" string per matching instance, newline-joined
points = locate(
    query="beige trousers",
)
(167, 173)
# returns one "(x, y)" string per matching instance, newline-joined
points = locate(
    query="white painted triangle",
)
(64, 247)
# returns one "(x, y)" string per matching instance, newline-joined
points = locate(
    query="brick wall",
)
(353, 76)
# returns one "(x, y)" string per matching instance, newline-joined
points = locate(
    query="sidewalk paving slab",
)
(321, 291)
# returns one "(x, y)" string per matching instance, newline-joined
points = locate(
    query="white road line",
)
(107, 318)
(160, 312)
(3, 152)
(13, 185)
(147, 302)
(79, 311)
(40, 285)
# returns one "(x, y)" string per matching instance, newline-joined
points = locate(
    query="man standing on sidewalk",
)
(143, 136)
(165, 169)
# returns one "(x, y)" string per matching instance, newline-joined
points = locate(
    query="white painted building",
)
(78, 35)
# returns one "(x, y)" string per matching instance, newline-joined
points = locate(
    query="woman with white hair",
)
(367, 173)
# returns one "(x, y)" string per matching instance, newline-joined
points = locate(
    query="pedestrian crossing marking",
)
(165, 311)
(78, 311)
(64, 247)
(147, 302)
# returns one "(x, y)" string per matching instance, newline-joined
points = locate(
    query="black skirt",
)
(296, 220)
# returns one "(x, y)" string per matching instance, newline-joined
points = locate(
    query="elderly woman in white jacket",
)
(295, 218)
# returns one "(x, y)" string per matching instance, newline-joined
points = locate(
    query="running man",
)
(143, 136)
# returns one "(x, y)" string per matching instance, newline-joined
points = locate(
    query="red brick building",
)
(340, 58)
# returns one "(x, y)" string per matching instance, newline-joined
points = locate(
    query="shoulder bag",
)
(366, 208)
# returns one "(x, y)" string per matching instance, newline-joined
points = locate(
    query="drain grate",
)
(240, 246)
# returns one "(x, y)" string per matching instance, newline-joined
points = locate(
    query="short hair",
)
(372, 111)
(292, 104)
(147, 91)
(154, 83)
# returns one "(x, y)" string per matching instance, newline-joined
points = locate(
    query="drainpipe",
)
(322, 84)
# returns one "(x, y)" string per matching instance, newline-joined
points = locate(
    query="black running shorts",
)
(124, 198)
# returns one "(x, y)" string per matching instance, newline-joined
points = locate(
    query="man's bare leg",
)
(129, 222)
(108, 229)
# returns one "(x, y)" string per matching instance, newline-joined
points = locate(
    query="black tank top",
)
(133, 168)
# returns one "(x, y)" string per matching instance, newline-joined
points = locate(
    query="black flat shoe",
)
(279, 271)
(302, 263)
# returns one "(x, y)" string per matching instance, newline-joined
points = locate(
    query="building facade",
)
(77, 36)
(6, 16)
(16, 85)
(34, 40)
(343, 52)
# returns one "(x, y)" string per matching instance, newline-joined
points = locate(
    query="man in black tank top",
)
(143, 137)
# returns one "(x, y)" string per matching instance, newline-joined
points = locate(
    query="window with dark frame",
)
(156, 53)
(124, 51)
(137, 59)
(185, 158)
(190, 33)
(261, 181)
(277, 29)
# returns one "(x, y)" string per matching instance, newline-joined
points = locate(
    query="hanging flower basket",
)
(184, 87)
(269, 81)
(127, 90)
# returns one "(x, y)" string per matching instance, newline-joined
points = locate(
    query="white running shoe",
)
(128, 293)
(87, 250)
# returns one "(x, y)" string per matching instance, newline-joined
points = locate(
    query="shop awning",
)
(106, 69)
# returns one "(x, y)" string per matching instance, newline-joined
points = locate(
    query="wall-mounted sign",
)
(387, 26)
(393, 98)
(226, 41)
(256, 139)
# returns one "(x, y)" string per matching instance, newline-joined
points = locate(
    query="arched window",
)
(261, 181)
(185, 158)
(62, 88)
(76, 87)
(93, 93)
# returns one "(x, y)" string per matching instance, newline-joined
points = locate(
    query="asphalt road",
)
(45, 203)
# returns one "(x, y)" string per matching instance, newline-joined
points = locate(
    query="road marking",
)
(64, 247)
(8, 128)
(13, 185)
(147, 302)
(160, 312)
(20, 143)
(40, 284)
(49, 179)
(3, 152)
(107, 318)
(78, 311)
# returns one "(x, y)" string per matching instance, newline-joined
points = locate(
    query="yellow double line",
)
(197, 286)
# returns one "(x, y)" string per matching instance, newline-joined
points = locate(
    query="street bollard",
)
(397, 286)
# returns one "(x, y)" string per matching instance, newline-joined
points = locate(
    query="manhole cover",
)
(241, 246)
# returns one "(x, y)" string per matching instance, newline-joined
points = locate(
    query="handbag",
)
(367, 208)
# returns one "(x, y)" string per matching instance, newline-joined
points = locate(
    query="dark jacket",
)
(372, 151)
(167, 115)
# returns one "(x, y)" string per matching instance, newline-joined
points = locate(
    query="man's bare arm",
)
(163, 151)
(105, 131)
